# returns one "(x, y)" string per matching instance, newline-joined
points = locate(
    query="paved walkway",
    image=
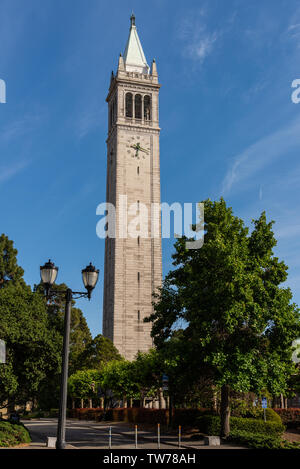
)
(90, 434)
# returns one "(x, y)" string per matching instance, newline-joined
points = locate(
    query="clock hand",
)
(144, 150)
(138, 147)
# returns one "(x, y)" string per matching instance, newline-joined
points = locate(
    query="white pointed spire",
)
(134, 57)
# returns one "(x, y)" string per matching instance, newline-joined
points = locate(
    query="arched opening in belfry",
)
(147, 108)
(138, 106)
(128, 104)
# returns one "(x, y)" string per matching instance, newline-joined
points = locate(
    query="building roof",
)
(134, 57)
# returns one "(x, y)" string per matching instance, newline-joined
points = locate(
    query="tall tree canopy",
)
(239, 320)
(33, 331)
(97, 353)
(33, 348)
(9, 269)
(80, 335)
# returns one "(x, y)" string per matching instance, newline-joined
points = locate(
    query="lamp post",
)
(48, 276)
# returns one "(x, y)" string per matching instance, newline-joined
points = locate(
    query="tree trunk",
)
(142, 400)
(10, 406)
(225, 411)
(281, 402)
(170, 423)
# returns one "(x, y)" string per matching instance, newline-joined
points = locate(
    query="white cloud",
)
(19, 127)
(258, 155)
(288, 231)
(292, 27)
(89, 120)
(202, 47)
(197, 41)
(7, 172)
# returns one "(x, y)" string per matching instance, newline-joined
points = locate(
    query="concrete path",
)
(90, 434)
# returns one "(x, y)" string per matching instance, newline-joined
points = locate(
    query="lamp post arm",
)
(52, 293)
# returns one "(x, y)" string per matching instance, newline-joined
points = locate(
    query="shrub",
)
(255, 440)
(34, 415)
(188, 417)
(142, 415)
(86, 413)
(211, 425)
(53, 413)
(290, 417)
(255, 413)
(245, 408)
(13, 434)
(271, 416)
(290, 444)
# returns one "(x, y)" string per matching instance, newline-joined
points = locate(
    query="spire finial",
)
(132, 19)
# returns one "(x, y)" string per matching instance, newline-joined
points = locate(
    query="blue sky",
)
(229, 126)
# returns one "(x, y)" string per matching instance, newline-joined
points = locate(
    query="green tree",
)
(33, 350)
(84, 383)
(239, 320)
(119, 377)
(97, 353)
(149, 368)
(80, 339)
(80, 335)
(9, 269)
(33, 331)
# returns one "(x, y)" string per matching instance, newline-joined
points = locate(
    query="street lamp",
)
(48, 276)
(90, 278)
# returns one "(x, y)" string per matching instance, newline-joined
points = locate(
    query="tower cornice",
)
(134, 82)
(130, 126)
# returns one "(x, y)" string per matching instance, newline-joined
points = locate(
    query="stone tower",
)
(133, 265)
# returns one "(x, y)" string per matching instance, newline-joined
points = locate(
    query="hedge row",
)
(290, 417)
(13, 434)
(86, 414)
(130, 414)
(256, 440)
(186, 417)
(211, 425)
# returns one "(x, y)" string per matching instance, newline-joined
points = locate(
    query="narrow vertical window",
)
(139, 315)
(115, 109)
(147, 108)
(128, 104)
(138, 106)
(138, 170)
(138, 276)
(138, 240)
(110, 116)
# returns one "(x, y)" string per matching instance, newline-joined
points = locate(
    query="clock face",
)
(137, 147)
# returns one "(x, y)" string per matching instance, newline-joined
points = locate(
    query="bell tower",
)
(133, 264)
